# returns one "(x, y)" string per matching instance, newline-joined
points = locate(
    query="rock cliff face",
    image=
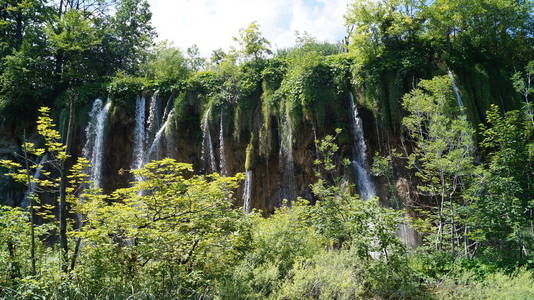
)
(267, 131)
(183, 142)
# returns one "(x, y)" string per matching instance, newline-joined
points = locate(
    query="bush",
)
(497, 286)
(123, 89)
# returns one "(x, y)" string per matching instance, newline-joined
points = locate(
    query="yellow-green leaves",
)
(171, 218)
(52, 137)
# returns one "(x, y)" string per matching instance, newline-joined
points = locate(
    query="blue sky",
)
(211, 24)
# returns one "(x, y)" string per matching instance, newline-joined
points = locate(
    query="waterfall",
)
(407, 234)
(207, 153)
(222, 154)
(93, 149)
(287, 185)
(139, 137)
(247, 192)
(168, 108)
(33, 184)
(154, 150)
(456, 90)
(359, 155)
(153, 117)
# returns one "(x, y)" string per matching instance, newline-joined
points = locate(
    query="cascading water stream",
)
(207, 153)
(288, 186)
(155, 148)
(93, 150)
(33, 184)
(153, 117)
(456, 90)
(247, 192)
(407, 234)
(359, 162)
(359, 155)
(139, 137)
(222, 153)
(168, 108)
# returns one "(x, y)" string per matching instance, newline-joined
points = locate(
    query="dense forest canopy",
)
(395, 164)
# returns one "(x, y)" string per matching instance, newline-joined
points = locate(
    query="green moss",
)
(123, 90)
(249, 157)
(482, 86)
(394, 94)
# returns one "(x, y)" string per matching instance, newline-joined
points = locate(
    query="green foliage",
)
(253, 44)
(523, 84)
(15, 241)
(312, 83)
(503, 190)
(484, 210)
(194, 60)
(340, 247)
(131, 34)
(167, 67)
(398, 42)
(22, 86)
(342, 274)
(123, 89)
(73, 37)
(175, 234)
(171, 233)
(442, 157)
(277, 243)
(496, 286)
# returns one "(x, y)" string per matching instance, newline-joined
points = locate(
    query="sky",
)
(211, 24)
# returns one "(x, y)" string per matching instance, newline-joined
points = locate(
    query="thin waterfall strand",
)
(359, 155)
(247, 192)
(155, 148)
(168, 108)
(222, 153)
(33, 184)
(139, 137)
(288, 186)
(456, 90)
(153, 117)
(207, 152)
(94, 144)
(407, 234)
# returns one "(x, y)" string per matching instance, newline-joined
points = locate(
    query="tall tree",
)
(442, 157)
(253, 44)
(194, 60)
(502, 215)
(131, 34)
(73, 39)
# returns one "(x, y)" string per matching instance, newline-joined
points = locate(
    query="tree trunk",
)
(15, 269)
(62, 191)
(31, 208)
(18, 30)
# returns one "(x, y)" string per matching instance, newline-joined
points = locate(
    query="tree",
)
(375, 25)
(479, 29)
(131, 34)
(73, 38)
(253, 45)
(194, 60)
(167, 65)
(180, 227)
(442, 156)
(56, 179)
(19, 21)
(23, 82)
(217, 56)
(524, 84)
(502, 211)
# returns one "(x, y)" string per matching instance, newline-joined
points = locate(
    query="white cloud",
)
(211, 24)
